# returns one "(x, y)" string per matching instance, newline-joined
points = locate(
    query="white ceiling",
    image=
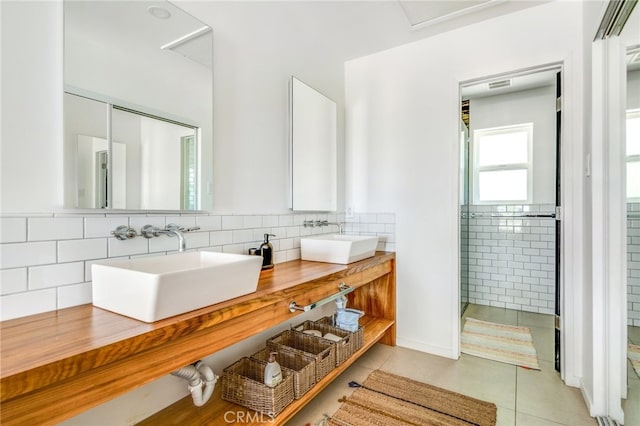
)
(343, 30)
(422, 13)
(334, 30)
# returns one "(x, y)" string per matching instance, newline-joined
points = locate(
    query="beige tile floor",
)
(524, 397)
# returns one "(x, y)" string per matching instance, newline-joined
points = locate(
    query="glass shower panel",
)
(464, 216)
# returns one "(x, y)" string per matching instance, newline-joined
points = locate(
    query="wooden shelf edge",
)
(184, 413)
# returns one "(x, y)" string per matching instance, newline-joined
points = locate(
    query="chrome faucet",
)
(172, 230)
(313, 224)
(123, 232)
(338, 224)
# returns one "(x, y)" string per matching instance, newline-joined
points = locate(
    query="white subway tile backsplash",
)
(13, 230)
(218, 238)
(137, 222)
(252, 222)
(55, 275)
(375, 228)
(29, 303)
(285, 220)
(13, 280)
(128, 247)
(386, 218)
(292, 231)
(197, 240)
(73, 295)
(367, 218)
(298, 219)
(182, 221)
(232, 222)
(280, 257)
(292, 254)
(15, 255)
(270, 220)
(95, 227)
(92, 248)
(242, 236)
(234, 248)
(163, 243)
(54, 228)
(286, 243)
(209, 223)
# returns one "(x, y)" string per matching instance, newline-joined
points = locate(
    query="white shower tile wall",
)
(633, 264)
(46, 258)
(512, 258)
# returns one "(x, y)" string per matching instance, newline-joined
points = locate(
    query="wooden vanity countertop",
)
(43, 349)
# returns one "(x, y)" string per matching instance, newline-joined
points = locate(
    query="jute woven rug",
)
(389, 400)
(633, 353)
(499, 342)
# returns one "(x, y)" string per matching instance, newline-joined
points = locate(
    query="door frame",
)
(609, 228)
(565, 321)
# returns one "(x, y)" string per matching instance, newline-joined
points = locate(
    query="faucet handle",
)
(148, 231)
(174, 227)
(123, 232)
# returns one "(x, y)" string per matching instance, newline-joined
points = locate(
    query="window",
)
(633, 154)
(502, 164)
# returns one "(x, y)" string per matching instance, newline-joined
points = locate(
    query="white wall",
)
(31, 85)
(250, 158)
(250, 103)
(537, 106)
(402, 150)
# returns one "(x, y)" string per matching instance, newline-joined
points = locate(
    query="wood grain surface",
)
(58, 364)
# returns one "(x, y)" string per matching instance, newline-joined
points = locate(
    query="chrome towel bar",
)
(344, 289)
(510, 215)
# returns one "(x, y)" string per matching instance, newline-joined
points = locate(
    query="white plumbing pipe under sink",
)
(200, 389)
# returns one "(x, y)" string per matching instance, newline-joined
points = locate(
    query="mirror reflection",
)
(313, 148)
(632, 158)
(138, 107)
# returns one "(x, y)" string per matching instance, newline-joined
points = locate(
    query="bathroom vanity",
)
(58, 364)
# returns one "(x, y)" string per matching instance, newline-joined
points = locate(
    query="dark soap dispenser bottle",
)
(266, 251)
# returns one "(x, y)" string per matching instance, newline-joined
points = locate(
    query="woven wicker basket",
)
(357, 339)
(303, 368)
(320, 350)
(344, 347)
(243, 384)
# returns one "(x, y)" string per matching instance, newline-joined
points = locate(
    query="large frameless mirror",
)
(313, 149)
(138, 107)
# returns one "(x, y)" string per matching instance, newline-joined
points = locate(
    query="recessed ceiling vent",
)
(499, 84)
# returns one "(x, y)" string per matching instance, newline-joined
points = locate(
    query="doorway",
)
(510, 195)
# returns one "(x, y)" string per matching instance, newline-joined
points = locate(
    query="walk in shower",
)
(509, 192)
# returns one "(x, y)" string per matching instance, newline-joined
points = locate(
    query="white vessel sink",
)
(337, 248)
(152, 288)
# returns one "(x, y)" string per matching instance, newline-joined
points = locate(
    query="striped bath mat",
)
(390, 400)
(499, 342)
(633, 353)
